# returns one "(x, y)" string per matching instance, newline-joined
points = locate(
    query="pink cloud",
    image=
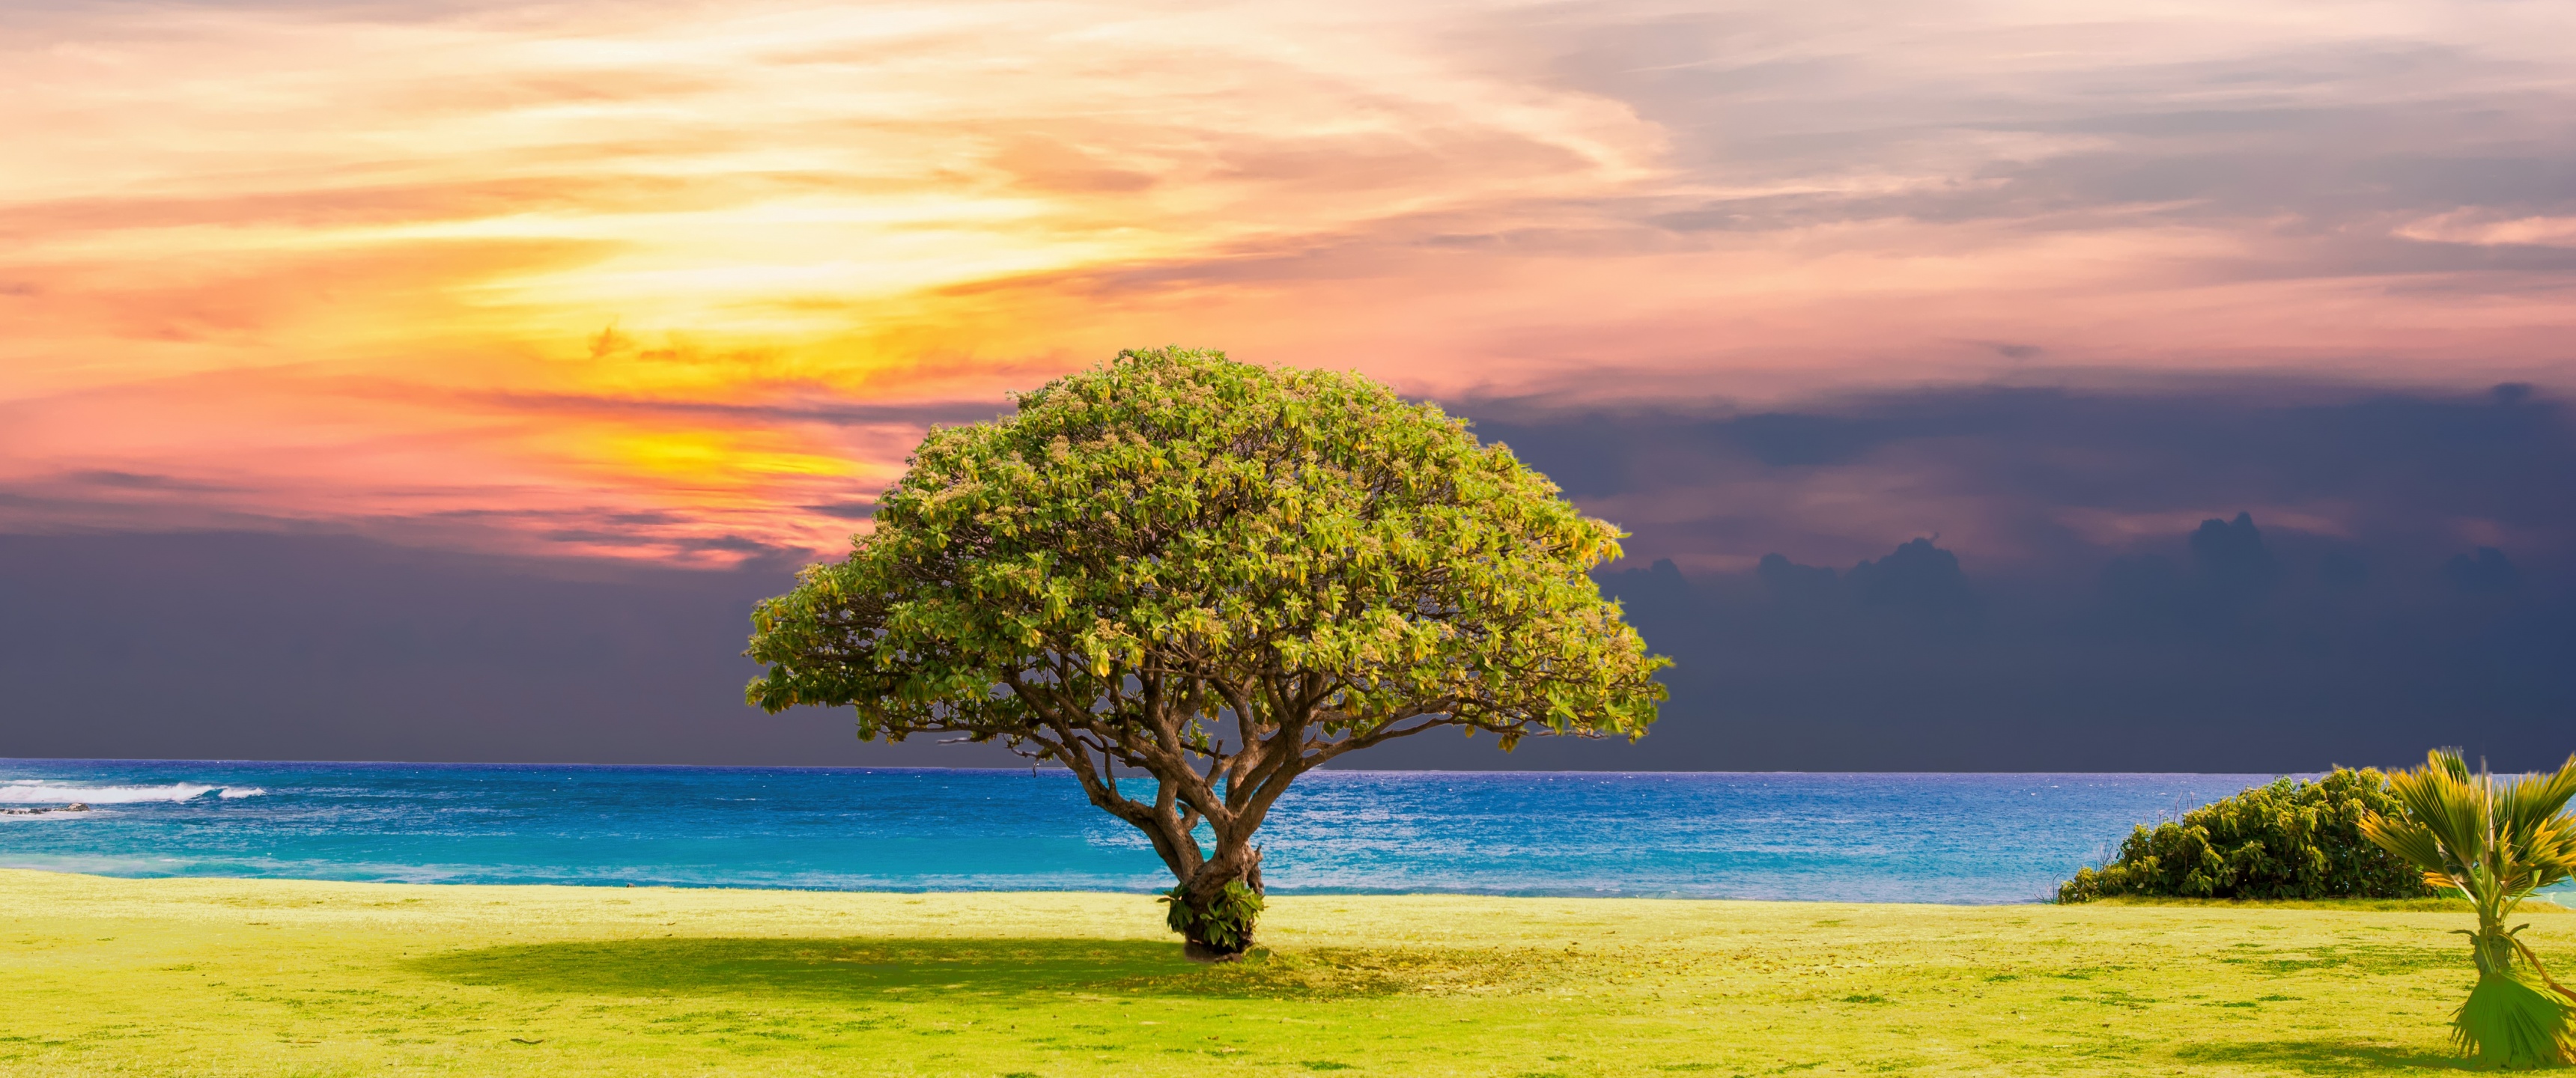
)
(317, 266)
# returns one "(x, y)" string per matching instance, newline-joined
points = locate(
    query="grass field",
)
(104, 976)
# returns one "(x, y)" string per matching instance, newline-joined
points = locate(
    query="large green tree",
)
(1215, 576)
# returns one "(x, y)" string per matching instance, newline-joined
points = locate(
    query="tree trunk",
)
(1204, 891)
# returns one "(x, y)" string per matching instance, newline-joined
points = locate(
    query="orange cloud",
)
(686, 282)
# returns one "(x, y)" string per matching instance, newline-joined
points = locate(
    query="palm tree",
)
(2496, 840)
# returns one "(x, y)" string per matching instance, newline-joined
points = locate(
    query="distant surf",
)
(38, 792)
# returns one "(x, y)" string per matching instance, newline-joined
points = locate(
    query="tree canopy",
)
(1219, 575)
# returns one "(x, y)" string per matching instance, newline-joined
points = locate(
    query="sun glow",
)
(677, 275)
(715, 460)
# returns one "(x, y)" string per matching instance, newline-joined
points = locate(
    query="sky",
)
(553, 321)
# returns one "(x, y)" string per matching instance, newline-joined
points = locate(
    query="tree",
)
(1216, 576)
(2496, 841)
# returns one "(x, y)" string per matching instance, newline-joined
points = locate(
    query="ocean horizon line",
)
(917, 769)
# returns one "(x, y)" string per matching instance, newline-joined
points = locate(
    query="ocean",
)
(1950, 838)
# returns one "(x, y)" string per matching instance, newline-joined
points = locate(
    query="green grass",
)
(2417, 905)
(169, 977)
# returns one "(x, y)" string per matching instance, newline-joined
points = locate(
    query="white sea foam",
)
(32, 792)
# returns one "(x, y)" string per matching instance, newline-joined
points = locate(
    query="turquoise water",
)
(1858, 837)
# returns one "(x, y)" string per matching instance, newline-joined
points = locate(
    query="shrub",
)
(1226, 923)
(2287, 839)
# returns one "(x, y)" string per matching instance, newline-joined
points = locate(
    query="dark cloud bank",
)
(2370, 574)
(2383, 627)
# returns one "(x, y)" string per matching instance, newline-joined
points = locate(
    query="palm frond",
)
(2526, 801)
(2530, 821)
(2499, 840)
(2450, 762)
(2455, 806)
(2507, 1022)
(2408, 840)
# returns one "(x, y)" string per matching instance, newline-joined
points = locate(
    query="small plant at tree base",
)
(2286, 839)
(1224, 927)
(1216, 576)
(2497, 840)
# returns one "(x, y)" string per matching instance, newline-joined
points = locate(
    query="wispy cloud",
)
(693, 274)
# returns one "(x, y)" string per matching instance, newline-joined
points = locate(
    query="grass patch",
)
(890, 969)
(237, 977)
(2542, 906)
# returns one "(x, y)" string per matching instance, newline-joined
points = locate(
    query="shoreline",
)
(2544, 903)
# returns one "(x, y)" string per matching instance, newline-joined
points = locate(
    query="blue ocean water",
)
(1853, 837)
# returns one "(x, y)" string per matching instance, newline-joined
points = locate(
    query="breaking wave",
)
(23, 792)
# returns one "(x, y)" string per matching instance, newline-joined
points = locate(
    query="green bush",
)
(2288, 839)
(1226, 925)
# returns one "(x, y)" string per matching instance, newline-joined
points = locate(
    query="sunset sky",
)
(683, 282)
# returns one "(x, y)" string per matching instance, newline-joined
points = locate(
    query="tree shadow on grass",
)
(894, 968)
(2324, 1057)
(818, 967)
